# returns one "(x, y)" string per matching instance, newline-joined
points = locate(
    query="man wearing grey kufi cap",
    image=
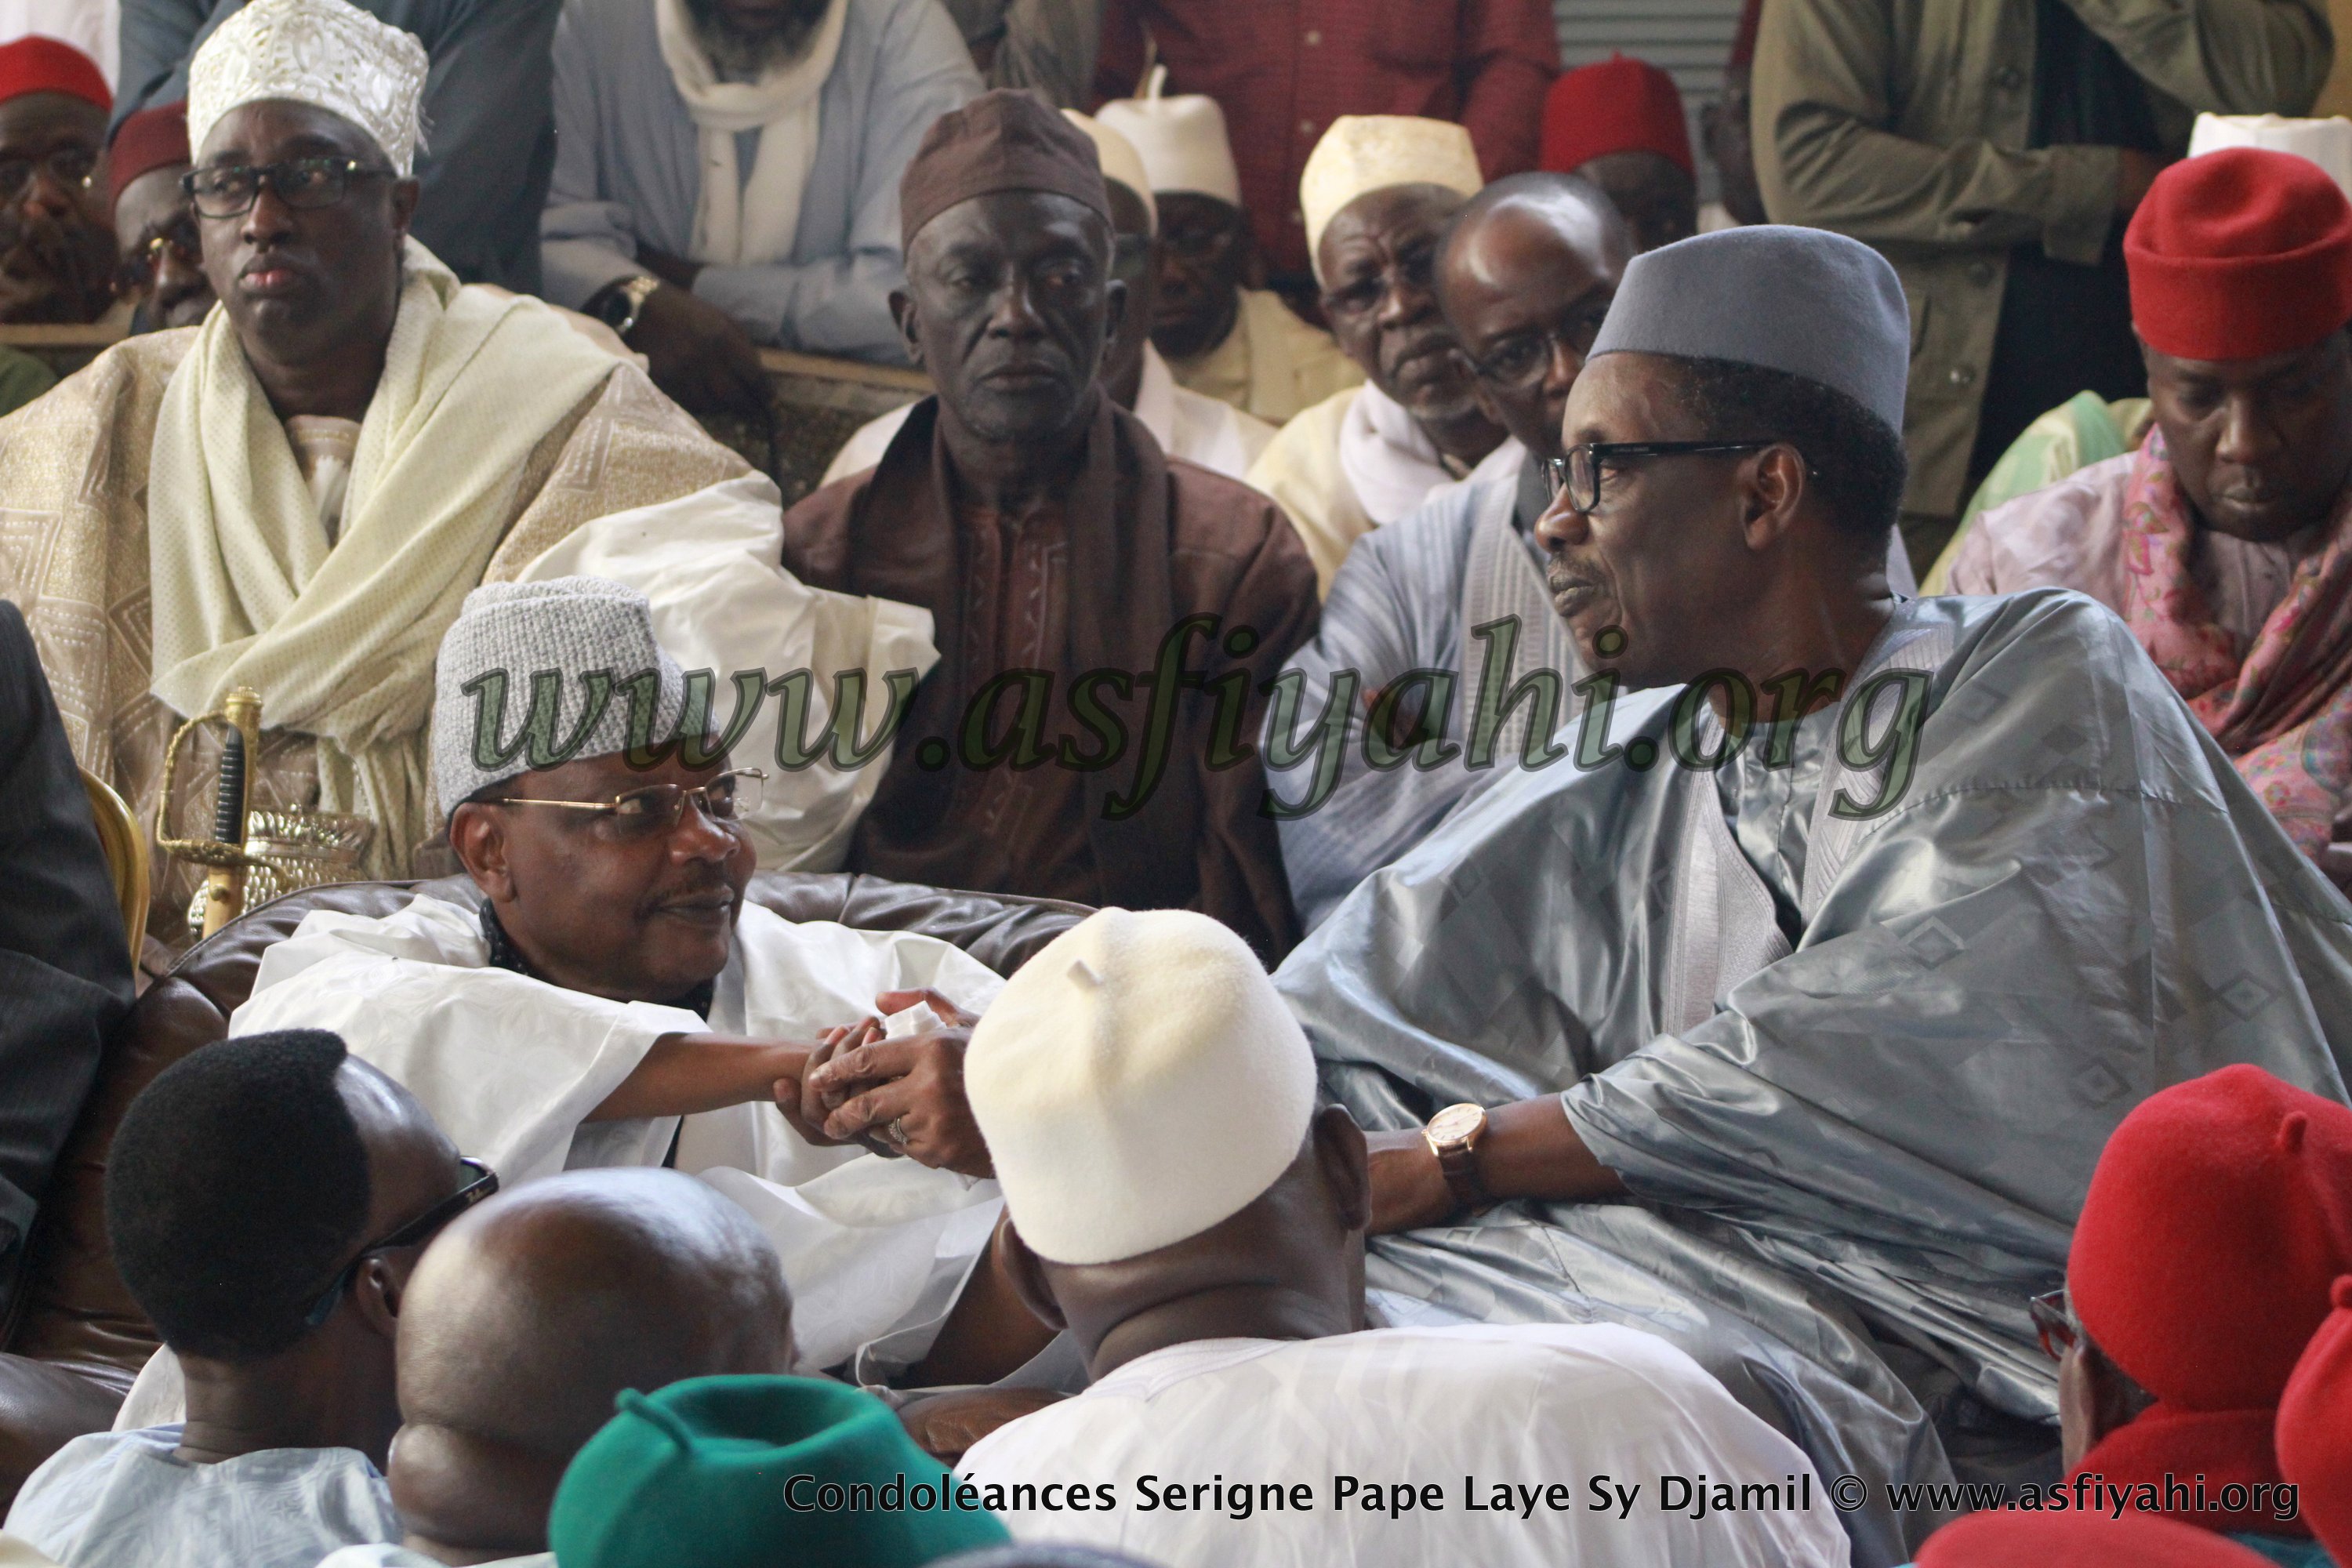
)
(1796, 1006)
(615, 1000)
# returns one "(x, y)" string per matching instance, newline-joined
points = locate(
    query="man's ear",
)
(1340, 1152)
(405, 197)
(1026, 1274)
(902, 312)
(478, 838)
(376, 1289)
(1773, 485)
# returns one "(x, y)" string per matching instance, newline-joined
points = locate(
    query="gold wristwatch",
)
(1454, 1135)
(620, 308)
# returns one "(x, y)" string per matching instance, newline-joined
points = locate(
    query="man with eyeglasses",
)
(1378, 195)
(266, 1201)
(56, 254)
(614, 1000)
(1526, 275)
(161, 273)
(1785, 1010)
(1221, 339)
(297, 495)
(1186, 425)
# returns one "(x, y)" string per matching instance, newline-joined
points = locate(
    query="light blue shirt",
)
(628, 171)
(121, 1500)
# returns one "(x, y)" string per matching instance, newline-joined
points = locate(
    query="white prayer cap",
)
(567, 627)
(1138, 1082)
(2327, 142)
(326, 53)
(1365, 152)
(1182, 140)
(1119, 163)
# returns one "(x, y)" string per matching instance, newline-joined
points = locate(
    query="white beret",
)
(2327, 142)
(1137, 1081)
(326, 53)
(1119, 163)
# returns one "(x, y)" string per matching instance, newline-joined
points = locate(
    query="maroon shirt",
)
(1283, 69)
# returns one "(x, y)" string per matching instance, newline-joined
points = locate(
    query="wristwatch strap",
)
(634, 291)
(1458, 1163)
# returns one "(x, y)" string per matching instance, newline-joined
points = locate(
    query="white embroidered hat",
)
(1182, 140)
(326, 53)
(1117, 155)
(2327, 142)
(1361, 153)
(1137, 1081)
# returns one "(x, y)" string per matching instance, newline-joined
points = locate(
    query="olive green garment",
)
(1904, 123)
(753, 1472)
(22, 379)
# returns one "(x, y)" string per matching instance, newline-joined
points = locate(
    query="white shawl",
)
(339, 640)
(738, 223)
(1389, 460)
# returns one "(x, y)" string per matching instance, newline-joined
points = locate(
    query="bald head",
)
(1527, 273)
(528, 1316)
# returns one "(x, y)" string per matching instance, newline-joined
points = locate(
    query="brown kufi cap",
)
(1002, 140)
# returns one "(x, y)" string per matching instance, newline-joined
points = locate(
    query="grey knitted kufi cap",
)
(572, 627)
(1802, 301)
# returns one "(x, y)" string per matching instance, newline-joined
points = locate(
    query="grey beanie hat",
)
(1802, 301)
(552, 635)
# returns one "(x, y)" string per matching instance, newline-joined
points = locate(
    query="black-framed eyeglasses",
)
(657, 808)
(177, 236)
(2054, 1323)
(1415, 268)
(416, 1233)
(229, 190)
(1522, 359)
(71, 167)
(1577, 475)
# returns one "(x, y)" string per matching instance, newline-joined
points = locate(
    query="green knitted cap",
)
(717, 1472)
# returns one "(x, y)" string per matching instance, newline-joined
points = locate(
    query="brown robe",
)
(1137, 543)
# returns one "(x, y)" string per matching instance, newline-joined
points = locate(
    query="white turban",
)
(1366, 153)
(1117, 155)
(326, 53)
(1182, 140)
(1138, 1082)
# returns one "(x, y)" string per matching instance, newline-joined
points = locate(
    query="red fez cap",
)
(150, 140)
(1743, 42)
(1001, 141)
(35, 64)
(2238, 254)
(1621, 105)
(2008, 1539)
(2315, 1429)
(2219, 1215)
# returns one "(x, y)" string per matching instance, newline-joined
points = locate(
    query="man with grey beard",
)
(727, 175)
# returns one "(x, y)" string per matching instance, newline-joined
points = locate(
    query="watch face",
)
(1455, 1123)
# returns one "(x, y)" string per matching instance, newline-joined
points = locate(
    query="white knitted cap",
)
(1182, 140)
(569, 627)
(1361, 153)
(1138, 1082)
(1119, 163)
(326, 53)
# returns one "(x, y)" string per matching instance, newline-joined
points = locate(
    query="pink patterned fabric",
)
(2282, 708)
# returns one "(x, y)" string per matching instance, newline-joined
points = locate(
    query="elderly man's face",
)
(640, 913)
(57, 253)
(2261, 448)
(1378, 255)
(1205, 245)
(1663, 557)
(305, 283)
(1659, 200)
(162, 270)
(744, 38)
(1009, 300)
(1525, 286)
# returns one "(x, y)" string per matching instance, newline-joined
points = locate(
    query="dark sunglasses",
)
(2054, 1323)
(229, 190)
(416, 1233)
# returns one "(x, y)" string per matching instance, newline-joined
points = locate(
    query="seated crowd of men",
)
(1581, 979)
